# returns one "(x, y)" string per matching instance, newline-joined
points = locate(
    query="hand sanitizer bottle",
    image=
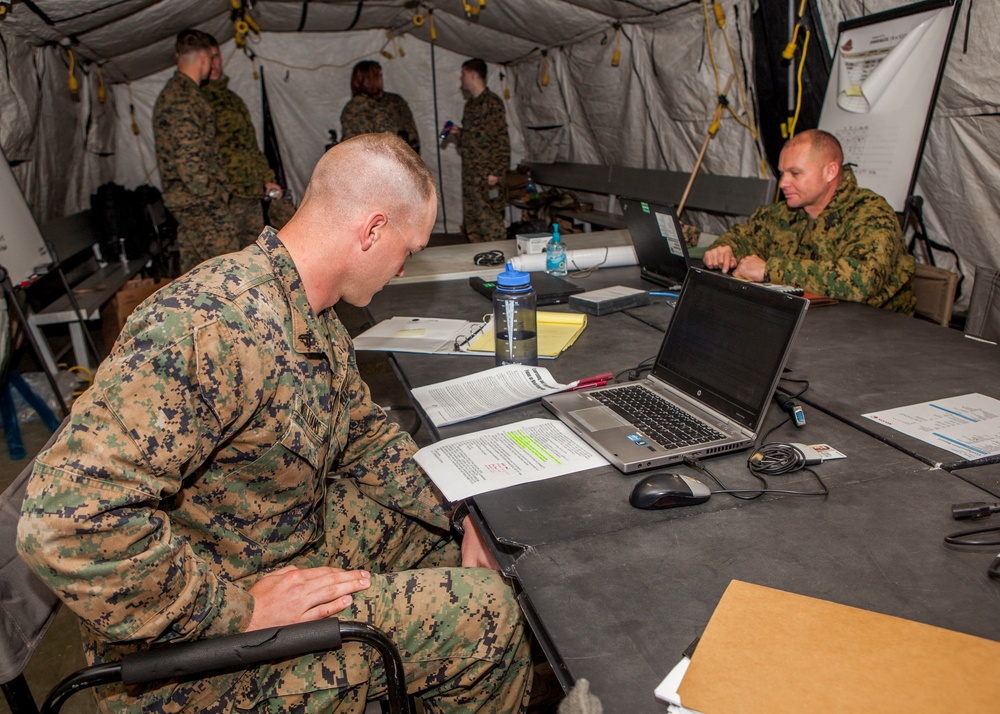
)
(555, 255)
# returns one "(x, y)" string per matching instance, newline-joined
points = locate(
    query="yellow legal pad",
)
(556, 332)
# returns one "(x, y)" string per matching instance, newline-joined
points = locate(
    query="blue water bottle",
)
(514, 319)
(555, 254)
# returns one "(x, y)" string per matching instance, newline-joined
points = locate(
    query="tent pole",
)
(437, 142)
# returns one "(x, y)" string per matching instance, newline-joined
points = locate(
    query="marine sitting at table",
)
(829, 236)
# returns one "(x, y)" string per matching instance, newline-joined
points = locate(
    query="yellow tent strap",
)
(545, 68)
(711, 51)
(616, 56)
(71, 80)
(798, 87)
(102, 93)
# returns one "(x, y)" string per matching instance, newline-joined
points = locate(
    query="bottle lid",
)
(556, 238)
(511, 278)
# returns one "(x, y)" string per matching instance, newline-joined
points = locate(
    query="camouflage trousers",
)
(204, 232)
(482, 214)
(459, 631)
(249, 217)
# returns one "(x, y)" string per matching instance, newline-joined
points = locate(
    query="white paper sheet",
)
(530, 450)
(485, 392)
(967, 425)
(425, 335)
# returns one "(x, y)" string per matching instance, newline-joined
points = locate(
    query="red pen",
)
(598, 380)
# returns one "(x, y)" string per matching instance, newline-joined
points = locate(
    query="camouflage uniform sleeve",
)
(379, 456)
(750, 237)
(409, 125)
(93, 527)
(260, 167)
(499, 152)
(866, 256)
(351, 120)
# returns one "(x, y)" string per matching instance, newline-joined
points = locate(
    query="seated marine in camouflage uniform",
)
(248, 172)
(195, 189)
(829, 236)
(228, 471)
(372, 110)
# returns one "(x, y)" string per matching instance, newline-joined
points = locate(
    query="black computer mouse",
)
(668, 490)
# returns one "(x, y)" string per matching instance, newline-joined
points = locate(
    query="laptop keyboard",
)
(665, 423)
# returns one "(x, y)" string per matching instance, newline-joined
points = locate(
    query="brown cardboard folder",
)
(765, 650)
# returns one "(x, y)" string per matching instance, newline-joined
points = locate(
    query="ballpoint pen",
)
(663, 294)
(598, 380)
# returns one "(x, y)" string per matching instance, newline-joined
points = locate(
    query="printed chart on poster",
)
(882, 89)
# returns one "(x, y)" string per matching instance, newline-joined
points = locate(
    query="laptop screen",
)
(727, 343)
(658, 241)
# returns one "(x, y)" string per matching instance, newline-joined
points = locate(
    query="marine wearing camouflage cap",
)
(228, 471)
(829, 236)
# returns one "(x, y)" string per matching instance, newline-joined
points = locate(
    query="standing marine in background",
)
(248, 172)
(195, 189)
(372, 110)
(485, 148)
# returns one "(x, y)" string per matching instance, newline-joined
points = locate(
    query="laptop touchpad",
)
(598, 418)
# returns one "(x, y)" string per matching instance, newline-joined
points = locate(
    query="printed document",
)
(968, 425)
(485, 392)
(530, 450)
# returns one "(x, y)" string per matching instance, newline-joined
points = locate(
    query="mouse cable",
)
(961, 538)
(696, 464)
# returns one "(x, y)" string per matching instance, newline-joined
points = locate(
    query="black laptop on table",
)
(658, 241)
(549, 289)
(708, 393)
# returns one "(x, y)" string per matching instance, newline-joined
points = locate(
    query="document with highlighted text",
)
(530, 450)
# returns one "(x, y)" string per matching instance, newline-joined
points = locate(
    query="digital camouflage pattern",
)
(205, 232)
(194, 182)
(853, 250)
(485, 147)
(229, 434)
(249, 216)
(389, 113)
(246, 167)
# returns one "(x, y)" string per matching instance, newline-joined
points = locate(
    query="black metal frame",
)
(192, 659)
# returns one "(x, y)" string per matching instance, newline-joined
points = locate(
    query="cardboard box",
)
(125, 301)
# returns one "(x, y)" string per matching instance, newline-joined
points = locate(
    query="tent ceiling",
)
(134, 38)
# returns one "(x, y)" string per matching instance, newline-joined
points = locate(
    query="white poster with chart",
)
(882, 89)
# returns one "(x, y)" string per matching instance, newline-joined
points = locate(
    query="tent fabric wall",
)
(959, 176)
(60, 147)
(650, 111)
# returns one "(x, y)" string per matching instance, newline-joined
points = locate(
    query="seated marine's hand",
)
(751, 268)
(293, 594)
(721, 258)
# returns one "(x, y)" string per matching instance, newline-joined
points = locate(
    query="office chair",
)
(27, 608)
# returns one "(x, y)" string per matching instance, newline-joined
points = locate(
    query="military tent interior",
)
(623, 82)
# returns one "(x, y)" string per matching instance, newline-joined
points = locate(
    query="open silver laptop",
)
(709, 391)
(658, 241)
